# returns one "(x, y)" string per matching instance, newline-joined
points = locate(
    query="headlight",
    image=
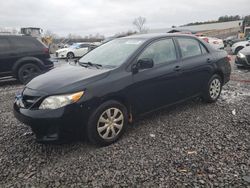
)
(240, 55)
(58, 101)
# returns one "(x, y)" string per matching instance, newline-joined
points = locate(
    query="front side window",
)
(162, 51)
(189, 47)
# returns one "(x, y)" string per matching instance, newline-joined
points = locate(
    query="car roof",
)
(157, 35)
(16, 36)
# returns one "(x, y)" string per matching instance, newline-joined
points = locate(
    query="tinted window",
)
(189, 47)
(24, 43)
(4, 44)
(161, 51)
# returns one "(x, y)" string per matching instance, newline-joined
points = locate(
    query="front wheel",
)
(213, 89)
(107, 124)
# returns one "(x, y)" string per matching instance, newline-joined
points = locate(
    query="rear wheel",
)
(213, 89)
(107, 124)
(70, 55)
(28, 71)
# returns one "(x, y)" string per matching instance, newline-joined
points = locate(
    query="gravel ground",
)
(189, 145)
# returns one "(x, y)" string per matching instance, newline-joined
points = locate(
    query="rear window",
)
(4, 44)
(189, 47)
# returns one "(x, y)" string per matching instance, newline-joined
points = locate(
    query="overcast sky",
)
(108, 17)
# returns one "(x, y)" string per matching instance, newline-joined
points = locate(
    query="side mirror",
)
(145, 63)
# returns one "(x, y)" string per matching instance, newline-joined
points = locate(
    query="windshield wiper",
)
(98, 66)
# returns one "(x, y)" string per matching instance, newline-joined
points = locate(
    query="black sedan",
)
(118, 81)
(243, 57)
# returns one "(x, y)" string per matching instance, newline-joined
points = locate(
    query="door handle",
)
(177, 68)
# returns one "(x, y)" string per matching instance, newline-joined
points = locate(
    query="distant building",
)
(233, 26)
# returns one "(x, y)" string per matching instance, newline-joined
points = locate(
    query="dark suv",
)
(23, 57)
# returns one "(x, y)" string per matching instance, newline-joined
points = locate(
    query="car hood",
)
(62, 50)
(246, 50)
(68, 78)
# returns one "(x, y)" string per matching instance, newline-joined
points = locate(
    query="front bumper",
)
(61, 54)
(53, 125)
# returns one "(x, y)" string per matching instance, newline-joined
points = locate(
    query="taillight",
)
(206, 39)
(228, 58)
(46, 50)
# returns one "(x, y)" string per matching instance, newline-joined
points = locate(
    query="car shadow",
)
(9, 82)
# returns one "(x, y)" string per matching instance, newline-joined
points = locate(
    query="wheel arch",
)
(123, 100)
(220, 73)
(238, 48)
(26, 60)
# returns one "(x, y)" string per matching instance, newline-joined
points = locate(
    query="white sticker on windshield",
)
(135, 42)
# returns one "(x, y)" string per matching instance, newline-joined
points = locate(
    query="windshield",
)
(113, 53)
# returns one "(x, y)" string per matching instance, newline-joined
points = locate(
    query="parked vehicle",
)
(118, 81)
(23, 57)
(231, 40)
(214, 42)
(243, 57)
(236, 47)
(75, 50)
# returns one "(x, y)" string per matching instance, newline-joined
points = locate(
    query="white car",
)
(214, 42)
(236, 47)
(75, 50)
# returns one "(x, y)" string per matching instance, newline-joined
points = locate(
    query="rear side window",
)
(4, 44)
(25, 43)
(189, 47)
(162, 51)
(203, 49)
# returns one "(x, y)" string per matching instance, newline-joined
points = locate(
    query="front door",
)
(157, 86)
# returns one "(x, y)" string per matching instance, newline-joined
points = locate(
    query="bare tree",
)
(49, 33)
(139, 24)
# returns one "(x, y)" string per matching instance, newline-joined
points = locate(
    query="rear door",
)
(196, 66)
(157, 86)
(7, 54)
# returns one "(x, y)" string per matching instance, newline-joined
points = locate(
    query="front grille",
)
(29, 101)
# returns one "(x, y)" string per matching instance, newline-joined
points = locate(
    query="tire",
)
(70, 55)
(100, 126)
(213, 89)
(238, 49)
(27, 71)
